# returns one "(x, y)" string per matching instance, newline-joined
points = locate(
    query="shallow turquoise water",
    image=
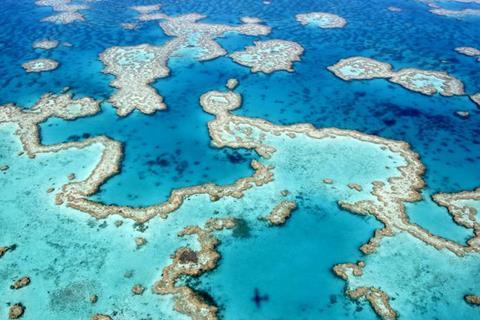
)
(437, 220)
(64, 251)
(432, 274)
(171, 149)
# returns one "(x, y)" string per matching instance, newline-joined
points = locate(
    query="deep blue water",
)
(171, 149)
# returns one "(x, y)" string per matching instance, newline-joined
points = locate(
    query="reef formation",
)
(75, 193)
(187, 262)
(389, 198)
(385, 176)
(394, 9)
(269, 56)
(468, 51)
(476, 98)
(137, 67)
(322, 20)
(45, 44)
(455, 13)
(384, 198)
(66, 12)
(40, 65)
(464, 207)
(423, 81)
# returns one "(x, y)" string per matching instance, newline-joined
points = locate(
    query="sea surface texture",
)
(239, 160)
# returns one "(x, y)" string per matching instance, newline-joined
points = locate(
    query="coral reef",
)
(45, 44)
(16, 311)
(389, 198)
(232, 84)
(40, 65)
(281, 212)
(269, 56)
(387, 202)
(455, 13)
(3, 250)
(394, 9)
(464, 207)
(422, 81)
(101, 317)
(146, 8)
(137, 67)
(361, 68)
(66, 12)
(428, 82)
(468, 51)
(20, 283)
(129, 26)
(75, 193)
(472, 299)
(321, 19)
(138, 289)
(187, 262)
(476, 98)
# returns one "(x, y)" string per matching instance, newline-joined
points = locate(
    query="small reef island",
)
(255, 160)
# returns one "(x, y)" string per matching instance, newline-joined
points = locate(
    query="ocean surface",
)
(69, 255)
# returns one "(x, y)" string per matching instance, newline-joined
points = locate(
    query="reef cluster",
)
(387, 202)
(390, 198)
(423, 81)
(75, 194)
(66, 12)
(137, 67)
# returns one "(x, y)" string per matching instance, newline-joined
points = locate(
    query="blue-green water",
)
(70, 256)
